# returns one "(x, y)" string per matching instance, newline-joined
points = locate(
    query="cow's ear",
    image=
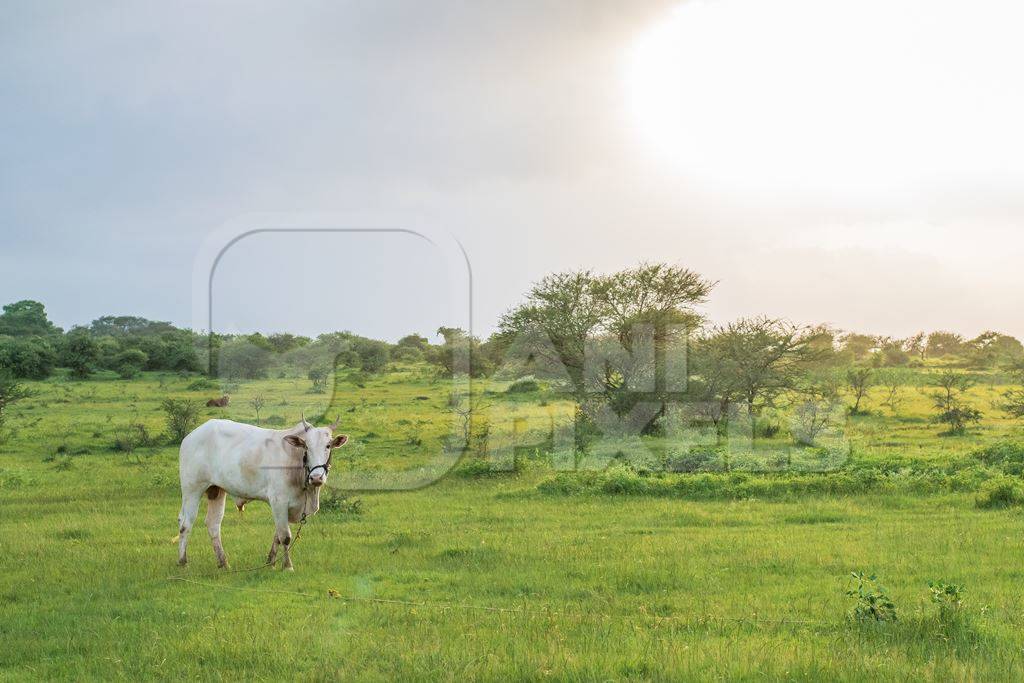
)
(296, 441)
(339, 441)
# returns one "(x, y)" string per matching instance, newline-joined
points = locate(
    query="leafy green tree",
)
(241, 359)
(944, 344)
(414, 341)
(80, 353)
(27, 357)
(129, 363)
(859, 346)
(752, 361)
(26, 318)
(318, 377)
(951, 409)
(182, 416)
(128, 326)
(991, 349)
(859, 381)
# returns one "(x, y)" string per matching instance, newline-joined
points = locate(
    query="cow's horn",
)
(334, 425)
(304, 423)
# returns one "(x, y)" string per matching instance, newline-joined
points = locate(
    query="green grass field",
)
(497, 576)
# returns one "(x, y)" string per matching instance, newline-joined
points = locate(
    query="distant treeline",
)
(32, 347)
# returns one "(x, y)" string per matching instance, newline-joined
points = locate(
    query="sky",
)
(857, 164)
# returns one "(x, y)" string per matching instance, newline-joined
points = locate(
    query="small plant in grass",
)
(181, 416)
(257, 403)
(872, 601)
(335, 502)
(949, 597)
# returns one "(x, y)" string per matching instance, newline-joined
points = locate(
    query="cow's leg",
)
(282, 534)
(272, 555)
(189, 511)
(217, 497)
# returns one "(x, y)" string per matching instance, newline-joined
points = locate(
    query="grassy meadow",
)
(525, 574)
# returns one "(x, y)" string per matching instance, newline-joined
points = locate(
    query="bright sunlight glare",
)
(838, 98)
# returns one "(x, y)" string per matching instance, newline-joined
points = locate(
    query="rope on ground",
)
(333, 595)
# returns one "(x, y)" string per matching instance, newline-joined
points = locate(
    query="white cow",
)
(285, 468)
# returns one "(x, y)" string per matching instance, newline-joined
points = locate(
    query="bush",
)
(129, 363)
(1001, 492)
(524, 385)
(1006, 455)
(949, 597)
(182, 416)
(872, 601)
(204, 384)
(27, 357)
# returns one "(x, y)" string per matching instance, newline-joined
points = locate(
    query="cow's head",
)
(316, 444)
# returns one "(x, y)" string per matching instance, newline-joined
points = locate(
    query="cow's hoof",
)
(289, 568)
(223, 565)
(182, 562)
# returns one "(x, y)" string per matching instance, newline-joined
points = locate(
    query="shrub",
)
(129, 363)
(11, 391)
(204, 384)
(871, 601)
(695, 460)
(318, 377)
(182, 415)
(524, 385)
(1006, 455)
(1001, 492)
(949, 598)
(334, 502)
(27, 357)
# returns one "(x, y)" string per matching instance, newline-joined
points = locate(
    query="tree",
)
(414, 341)
(80, 353)
(752, 361)
(893, 380)
(560, 314)
(991, 349)
(11, 391)
(949, 404)
(859, 380)
(182, 416)
(318, 376)
(565, 312)
(26, 318)
(129, 363)
(128, 326)
(944, 344)
(859, 346)
(27, 357)
(240, 358)
(257, 402)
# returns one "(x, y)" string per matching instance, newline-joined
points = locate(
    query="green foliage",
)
(26, 319)
(871, 601)
(950, 599)
(336, 503)
(524, 385)
(181, 417)
(130, 362)
(27, 357)
(79, 353)
(11, 391)
(318, 377)
(949, 404)
(1001, 492)
(242, 359)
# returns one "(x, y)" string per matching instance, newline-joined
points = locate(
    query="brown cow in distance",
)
(221, 402)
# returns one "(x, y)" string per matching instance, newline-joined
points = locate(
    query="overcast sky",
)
(856, 163)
